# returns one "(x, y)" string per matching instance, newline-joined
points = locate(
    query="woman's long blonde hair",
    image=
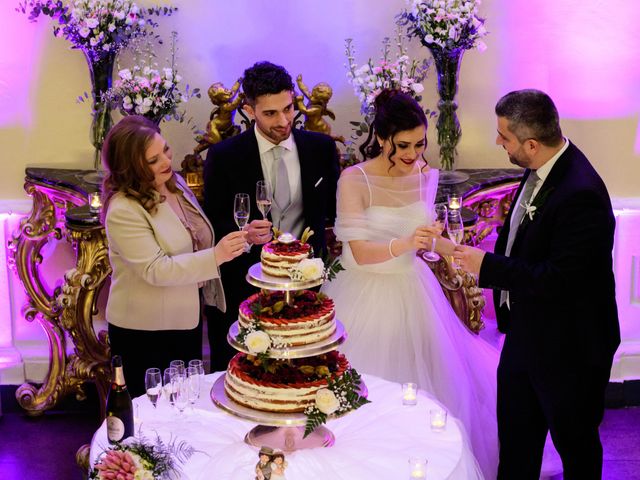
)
(127, 170)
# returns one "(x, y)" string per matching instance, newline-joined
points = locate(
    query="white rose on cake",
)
(257, 342)
(308, 269)
(326, 401)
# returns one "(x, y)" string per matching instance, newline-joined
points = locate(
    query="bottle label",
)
(115, 429)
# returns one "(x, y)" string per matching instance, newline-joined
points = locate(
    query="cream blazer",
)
(154, 283)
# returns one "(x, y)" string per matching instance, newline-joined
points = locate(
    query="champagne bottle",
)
(119, 406)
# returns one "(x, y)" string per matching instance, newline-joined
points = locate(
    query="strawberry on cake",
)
(309, 318)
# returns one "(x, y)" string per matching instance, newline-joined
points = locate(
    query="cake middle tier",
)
(309, 318)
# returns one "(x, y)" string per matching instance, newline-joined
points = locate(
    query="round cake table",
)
(373, 442)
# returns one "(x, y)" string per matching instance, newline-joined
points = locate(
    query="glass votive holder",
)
(409, 393)
(438, 419)
(417, 468)
(95, 203)
(454, 201)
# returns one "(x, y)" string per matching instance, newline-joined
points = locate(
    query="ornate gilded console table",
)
(60, 211)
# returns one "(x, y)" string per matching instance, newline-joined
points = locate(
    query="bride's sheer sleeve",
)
(353, 199)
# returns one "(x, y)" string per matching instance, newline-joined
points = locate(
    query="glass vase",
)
(101, 73)
(447, 64)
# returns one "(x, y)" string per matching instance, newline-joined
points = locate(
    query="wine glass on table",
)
(153, 384)
(440, 221)
(193, 379)
(263, 198)
(180, 388)
(241, 211)
(169, 373)
(455, 229)
(178, 365)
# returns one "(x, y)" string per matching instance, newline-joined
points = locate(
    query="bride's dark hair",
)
(395, 111)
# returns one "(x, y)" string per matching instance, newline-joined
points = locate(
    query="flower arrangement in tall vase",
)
(394, 70)
(148, 90)
(100, 29)
(447, 28)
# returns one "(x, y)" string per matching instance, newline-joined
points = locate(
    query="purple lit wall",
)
(583, 52)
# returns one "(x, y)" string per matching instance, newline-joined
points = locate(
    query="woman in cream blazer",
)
(162, 253)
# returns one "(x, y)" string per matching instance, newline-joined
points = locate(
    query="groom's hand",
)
(469, 258)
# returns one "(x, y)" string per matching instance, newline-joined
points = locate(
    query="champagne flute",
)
(455, 229)
(180, 388)
(263, 198)
(241, 209)
(153, 384)
(440, 220)
(169, 373)
(193, 379)
(197, 363)
(178, 365)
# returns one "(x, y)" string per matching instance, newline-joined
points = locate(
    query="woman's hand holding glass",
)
(439, 223)
(230, 246)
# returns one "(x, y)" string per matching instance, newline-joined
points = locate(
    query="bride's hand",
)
(423, 236)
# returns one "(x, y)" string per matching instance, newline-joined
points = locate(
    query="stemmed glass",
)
(455, 229)
(197, 363)
(241, 209)
(263, 198)
(440, 221)
(153, 384)
(193, 379)
(169, 374)
(178, 365)
(180, 388)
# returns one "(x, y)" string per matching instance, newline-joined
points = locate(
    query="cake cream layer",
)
(273, 397)
(315, 324)
(277, 259)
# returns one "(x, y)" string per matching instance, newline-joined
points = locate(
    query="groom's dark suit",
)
(562, 324)
(233, 166)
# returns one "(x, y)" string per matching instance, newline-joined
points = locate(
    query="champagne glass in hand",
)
(263, 198)
(241, 209)
(455, 229)
(440, 220)
(153, 384)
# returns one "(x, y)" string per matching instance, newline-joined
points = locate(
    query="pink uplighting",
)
(582, 52)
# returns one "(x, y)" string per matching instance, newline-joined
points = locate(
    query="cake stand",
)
(282, 431)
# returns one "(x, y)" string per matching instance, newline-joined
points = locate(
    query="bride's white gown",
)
(400, 325)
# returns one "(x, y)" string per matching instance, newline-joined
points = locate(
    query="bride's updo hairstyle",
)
(395, 111)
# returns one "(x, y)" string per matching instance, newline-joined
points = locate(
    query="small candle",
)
(94, 202)
(409, 393)
(418, 468)
(455, 202)
(438, 419)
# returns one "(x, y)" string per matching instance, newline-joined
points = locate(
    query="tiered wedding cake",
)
(287, 336)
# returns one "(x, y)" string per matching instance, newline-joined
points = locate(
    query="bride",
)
(401, 327)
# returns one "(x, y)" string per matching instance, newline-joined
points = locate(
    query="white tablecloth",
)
(374, 442)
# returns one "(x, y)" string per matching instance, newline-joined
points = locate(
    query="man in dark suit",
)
(554, 293)
(301, 167)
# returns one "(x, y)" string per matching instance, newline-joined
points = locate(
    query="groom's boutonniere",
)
(531, 208)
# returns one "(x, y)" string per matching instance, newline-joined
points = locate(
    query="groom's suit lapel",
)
(544, 197)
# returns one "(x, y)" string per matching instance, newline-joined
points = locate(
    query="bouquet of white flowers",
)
(447, 24)
(97, 27)
(400, 73)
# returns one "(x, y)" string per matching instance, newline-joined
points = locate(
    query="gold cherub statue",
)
(220, 125)
(316, 108)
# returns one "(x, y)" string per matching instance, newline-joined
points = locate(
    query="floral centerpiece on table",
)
(139, 459)
(100, 29)
(447, 28)
(397, 71)
(150, 91)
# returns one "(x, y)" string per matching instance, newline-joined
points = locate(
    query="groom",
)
(301, 167)
(554, 294)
